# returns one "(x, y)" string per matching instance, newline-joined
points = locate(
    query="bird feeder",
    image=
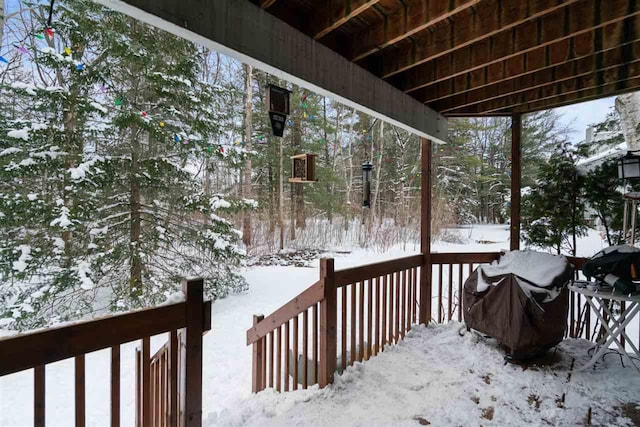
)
(278, 107)
(629, 166)
(303, 169)
(367, 167)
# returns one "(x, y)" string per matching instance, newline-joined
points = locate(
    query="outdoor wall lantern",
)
(278, 107)
(367, 167)
(629, 166)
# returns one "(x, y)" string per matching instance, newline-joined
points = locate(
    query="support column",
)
(425, 230)
(516, 184)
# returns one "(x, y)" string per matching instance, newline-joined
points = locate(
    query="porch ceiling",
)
(481, 57)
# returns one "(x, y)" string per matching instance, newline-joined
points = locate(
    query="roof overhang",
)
(244, 31)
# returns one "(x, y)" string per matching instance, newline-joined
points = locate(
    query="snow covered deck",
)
(439, 377)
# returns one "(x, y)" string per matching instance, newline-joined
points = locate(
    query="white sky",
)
(579, 116)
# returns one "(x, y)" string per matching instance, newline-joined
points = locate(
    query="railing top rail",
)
(357, 274)
(297, 305)
(25, 351)
(463, 257)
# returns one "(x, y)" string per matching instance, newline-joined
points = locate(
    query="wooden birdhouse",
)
(303, 169)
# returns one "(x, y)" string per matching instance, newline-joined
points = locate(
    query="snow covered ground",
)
(227, 359)
(437, 376)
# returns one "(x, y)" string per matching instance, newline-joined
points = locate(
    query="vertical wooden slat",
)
(354, 355)
(279, 359)
(287, 368)
(146, 383)
(80, 391)
(343, 327)
(407, 274)
(264, 362)
(39, 396)
(398, 285)
(440, 308)
(195, 317)
(305, 348)
(361, 321)
(403, 301)
(138, 387)
(572, 315)
(450, 305)
(271, 358)
(376, 344)
(295, 339)
(115, 386)
(516, 171)
(328, 323)
(459, 292)
(174, 348)
(314, 349)
(257, 361)
(369, 318)
(384, 313)
(426, 275)
(411, 298)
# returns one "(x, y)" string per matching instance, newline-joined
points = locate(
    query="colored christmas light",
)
(161, 124)
(3, 59)
(103, 89)
(290, 122)
(144, 114)
(22, 50)
(39, 36)
(49, 32)
(117, 101)
(177, 138)
(80, 67)
(67, 50)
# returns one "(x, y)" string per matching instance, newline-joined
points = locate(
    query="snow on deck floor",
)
(438, 376)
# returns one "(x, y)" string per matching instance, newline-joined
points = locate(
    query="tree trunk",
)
(281, 196)
(376, 201)
(135, 231)
(298, 189)
(246, 223)
(327, 161)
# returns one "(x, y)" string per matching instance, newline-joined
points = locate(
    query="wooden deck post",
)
(516, 173)
(425, 230)
(194, 290)
(328, 323)
(258, 362)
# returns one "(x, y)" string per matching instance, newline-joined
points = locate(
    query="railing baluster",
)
(80, 391)
(343, 327)
(115, 386)
(146, 380)
(369, 318)
(174, 348)
(398, 285)
(287, 347)
(450, 302)
(39, 396)
(407, 274)
(403, 302)
(271, 356)
(279, 359)
(411, 298)
(257, 375)
(572, 315)
(459, 292)
(315, 343)
(305, 346)
(361, 320)
(138, 387)
(264, 363)
(385, 326)
(353, 324)
(440, 308)
(295, 352)
(376, 345)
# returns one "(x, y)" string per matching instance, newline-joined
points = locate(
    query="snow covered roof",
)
(590, 163)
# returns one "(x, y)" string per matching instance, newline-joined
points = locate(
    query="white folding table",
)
(616, 324)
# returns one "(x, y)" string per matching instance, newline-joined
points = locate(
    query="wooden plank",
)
(335, 13)
(354, 353)
(425, 230)
(459, 292)
(39, 348)
(343, 328)
(297, 305)
(398, 285)
(361, 321)
(279, 359)
(488, 21)
(439, 293)
(403, 302)
(464, 257)
(385, 328)
(377, 325)
(173, 375)
(305, 348)
(370, 313)
(193, 289)
(39, 396)
(145, 384)
(314, 326)
(272, 357)
(80, 395)
(369, 271)
(256, 364)
(296, 339)
(115, 386)
(414, 316)
(287, 368)
(450, 302)
(138, 387)
(551, 29)
(328, 323)
(406, 21)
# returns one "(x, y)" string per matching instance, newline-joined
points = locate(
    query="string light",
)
(80, 67)
(21, 49)
(67, 50)
(161, 124)
(39, 36)
(49, 32)
(3, 59)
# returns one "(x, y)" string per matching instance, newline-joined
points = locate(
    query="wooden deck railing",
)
(36, 350)
(377, 303)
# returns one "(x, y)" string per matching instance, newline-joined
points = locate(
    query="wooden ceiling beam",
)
(611, 59)
(415, 16)
(266, 3)
(599, 83)
(493, 17)
(525, 38)
(335, 13)
(544, 58)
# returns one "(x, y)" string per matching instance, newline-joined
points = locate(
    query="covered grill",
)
(521, 300)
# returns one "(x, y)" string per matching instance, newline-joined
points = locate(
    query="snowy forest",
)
(130, 158)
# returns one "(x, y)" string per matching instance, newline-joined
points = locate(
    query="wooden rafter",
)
(525, 38)
(266, 3)
(543, 58)
(335, 13)
(611, 59)
(599, 82)
(415, 16)
(487, 21)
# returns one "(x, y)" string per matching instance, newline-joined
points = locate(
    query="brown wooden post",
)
(328, 323)
(258, 364)
(193, 289)
(39, 396)
(425, 230)
(174, 348)
(516, 173)
(80, 394)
